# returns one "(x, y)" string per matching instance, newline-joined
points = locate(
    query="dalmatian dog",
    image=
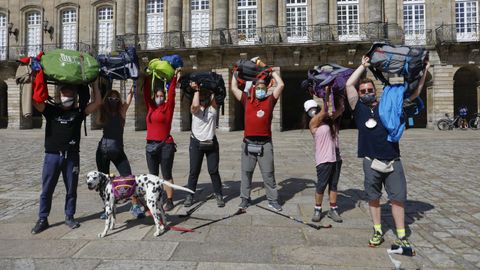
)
(148, 186)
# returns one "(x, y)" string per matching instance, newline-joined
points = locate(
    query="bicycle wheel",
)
(443, 124)
(473, 123)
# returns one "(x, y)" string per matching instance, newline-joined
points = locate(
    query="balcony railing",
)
(420, 38)
(32, 50)
(462, 32)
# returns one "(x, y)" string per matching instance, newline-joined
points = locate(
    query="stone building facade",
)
(291, 35)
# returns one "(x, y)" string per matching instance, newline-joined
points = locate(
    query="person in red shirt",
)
(257, 143)
(161, 148)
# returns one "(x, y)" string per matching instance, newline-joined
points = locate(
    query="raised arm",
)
(279, 87)
(352, 94)
(196, 98)
(96, 97)
(421, 83)
(40, 106)
(318, 119)
(235, 90)
(127, 103)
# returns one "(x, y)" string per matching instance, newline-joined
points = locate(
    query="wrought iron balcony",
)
(461, 32)
(32, 50)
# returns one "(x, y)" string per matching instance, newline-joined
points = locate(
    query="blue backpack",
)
(174, 59)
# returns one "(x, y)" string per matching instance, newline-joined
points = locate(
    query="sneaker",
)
(168, 205)
(40, 226)
(188, 201)
(244, 204)
(103, 216)
(333, 214)
(274, 205)
(220, 202)
(137, 211)
(317, 215)
(70, 222)
(376, 240)
(402, 242)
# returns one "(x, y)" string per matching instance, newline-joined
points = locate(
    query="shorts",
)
(328, 174)
(395, 182)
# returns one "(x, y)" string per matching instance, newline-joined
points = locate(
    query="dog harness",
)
(123, 187)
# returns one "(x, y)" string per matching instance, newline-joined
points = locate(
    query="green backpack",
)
(69, 66)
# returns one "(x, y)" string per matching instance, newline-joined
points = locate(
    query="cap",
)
(310, 104)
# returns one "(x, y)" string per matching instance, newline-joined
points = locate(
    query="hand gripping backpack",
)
(206, 80)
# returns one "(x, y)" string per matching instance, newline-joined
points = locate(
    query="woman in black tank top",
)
(110, 148)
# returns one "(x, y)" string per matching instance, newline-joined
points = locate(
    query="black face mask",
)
(368, 99)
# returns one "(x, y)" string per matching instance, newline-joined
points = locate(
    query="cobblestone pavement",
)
(443, 211)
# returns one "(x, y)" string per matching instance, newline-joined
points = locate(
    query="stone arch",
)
(465, 83)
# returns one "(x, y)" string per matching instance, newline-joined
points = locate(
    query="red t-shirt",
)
(159, 118)
(258, 116)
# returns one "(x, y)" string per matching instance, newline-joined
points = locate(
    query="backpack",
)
(123, 186)
(206, 80)
(69, 66)
(324, 75)
(120, 67)
(247, 70)
(402, 60)
(175, 60)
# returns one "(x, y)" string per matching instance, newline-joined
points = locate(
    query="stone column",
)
(225, 120)
(120, 17)
(269, 22)
(375, 10)
(375, 28)
(392, 20)
(131, 23)
(220, 22)
(174, 24)
(320, 20)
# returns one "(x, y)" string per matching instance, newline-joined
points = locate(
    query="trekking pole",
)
(316, 227)
(193, 209)
(238, 212)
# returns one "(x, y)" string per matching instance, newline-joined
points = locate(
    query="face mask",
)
(260, 93)
(205, 102)
(67, 101)
(159, 100)
(311, 113)
(367, 99)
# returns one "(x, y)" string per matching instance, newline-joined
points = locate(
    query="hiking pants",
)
(196, 159)
(67, 163)
(265, 161)
(109, 150)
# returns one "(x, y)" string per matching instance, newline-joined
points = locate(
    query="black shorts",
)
(394, 182)
(160, 153)
(328, 174)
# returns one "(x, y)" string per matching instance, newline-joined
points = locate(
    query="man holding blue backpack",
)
(381, 158)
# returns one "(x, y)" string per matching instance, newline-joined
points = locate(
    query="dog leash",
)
(316, 227)
(238, 212)
(193, 209)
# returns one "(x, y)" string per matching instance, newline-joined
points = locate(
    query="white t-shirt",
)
(203, 123)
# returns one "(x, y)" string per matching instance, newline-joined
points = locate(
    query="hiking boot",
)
(402, 242)
(137, 211)
(168, 205)
(70, 222)
(244, 204)
(188, 201)
(220, 202)
(40, 226)
(376, 240)
(275, 206)
(317, 215)
(333, 214)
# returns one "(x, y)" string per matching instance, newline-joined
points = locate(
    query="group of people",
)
(62, 137)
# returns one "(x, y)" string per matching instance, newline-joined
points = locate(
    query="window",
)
(200, 23)
(296, 20)
(414, 22)
(3, 36)
(466, 19)
(347, 19)
(69, 29)
(154, 24)
(34, 33)
(105, 30)
(247, 21)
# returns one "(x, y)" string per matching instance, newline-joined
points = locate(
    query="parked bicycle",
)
(474, 123)
(451, 123)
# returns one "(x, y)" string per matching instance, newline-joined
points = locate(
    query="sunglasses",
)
(113, 99)
(366, 90)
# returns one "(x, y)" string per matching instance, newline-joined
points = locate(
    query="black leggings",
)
(196, 159)
(109, 150)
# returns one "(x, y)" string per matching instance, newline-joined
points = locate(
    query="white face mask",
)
(159, 100)
(67, 101)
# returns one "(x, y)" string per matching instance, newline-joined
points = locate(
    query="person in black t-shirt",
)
(62, 141)
(376, 150)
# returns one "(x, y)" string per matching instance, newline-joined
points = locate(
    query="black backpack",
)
(206, 80)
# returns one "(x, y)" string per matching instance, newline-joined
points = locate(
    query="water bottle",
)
(407, 251)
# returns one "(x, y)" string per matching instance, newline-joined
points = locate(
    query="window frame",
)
(247, 34)
(109, 41)
(348, 31)
(296, 32)
(466, 30)
(413, 34)
(154, 20)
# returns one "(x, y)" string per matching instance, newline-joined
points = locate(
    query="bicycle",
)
(451, 123)
(474, 123)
